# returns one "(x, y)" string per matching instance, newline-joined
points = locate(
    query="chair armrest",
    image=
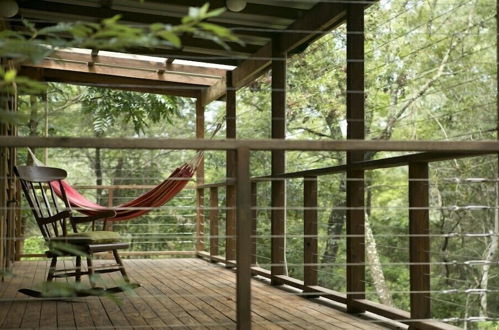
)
(106, 214)
(66, 214)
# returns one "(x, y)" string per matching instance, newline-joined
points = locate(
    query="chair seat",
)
(87, 238)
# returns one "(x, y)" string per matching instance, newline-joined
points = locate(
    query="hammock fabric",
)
(155, 197)
(141, 205)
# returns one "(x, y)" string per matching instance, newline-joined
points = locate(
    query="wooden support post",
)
(419, 243)
(278, 187)
(310, 249)
(108, 225)
(355, 178)
(213, 221)
(243, 250)
(254, 221)
(230, 216)
(200, 246)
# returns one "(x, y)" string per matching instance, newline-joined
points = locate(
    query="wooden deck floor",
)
(175, 293)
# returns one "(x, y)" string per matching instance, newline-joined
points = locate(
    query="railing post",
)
(254, 221)
(230, 201)
(213, 221)
(419, 241)
(278, 186)
(355, 178)
(310, 258)
(243, 240)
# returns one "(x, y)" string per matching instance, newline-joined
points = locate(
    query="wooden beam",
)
(214, 92)
(472, 148)
(322, 17)
(355, 203)
(131, 61)
(243, 250)
(230, 156)
(388, 162)
(310, 242)
(70, 66)
(419, 242)
(278, 166)
(251, 68)
(113, 82)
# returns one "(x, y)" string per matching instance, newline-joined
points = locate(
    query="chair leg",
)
(52, 268)
(122, 267)
(90, 271)
(78, 269)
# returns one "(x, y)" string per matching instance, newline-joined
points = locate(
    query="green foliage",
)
(108, 107)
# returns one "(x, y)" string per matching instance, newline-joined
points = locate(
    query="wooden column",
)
(254, 221)
(213, 221)
(108, 225)
(278, 187)
(230, 216)
(310, 250)
(419, 243)
(200, 246)
(355, 178)
(243, 241)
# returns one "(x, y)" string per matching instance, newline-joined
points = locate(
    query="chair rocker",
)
(59, 226)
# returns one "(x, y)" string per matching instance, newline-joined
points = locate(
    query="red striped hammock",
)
(141, 205)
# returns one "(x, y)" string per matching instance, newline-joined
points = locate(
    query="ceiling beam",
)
(127, 60)
(113, 82)
(113, 70)
(214, 92)
(322, 17)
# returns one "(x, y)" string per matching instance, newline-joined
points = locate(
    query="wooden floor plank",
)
(261, 306)
(182, 312)
(175, 293)
(192, 294)
(18, 304)
(226, 297)
(31, 317)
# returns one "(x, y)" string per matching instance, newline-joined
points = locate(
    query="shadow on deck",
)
(175, 293)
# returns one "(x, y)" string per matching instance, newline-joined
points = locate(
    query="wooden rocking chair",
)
(59, 226)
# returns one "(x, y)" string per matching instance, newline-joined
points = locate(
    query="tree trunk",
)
(489, 257)
(336, 221)
(372, 255)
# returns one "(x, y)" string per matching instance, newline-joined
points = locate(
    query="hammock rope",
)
(141, 205)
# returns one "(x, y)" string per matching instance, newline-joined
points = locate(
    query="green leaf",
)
(171, 37)
(215, 12)
(10, 76)
(112, 20)
(204, 9)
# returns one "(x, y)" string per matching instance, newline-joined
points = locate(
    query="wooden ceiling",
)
(268, 27)
(255, 25)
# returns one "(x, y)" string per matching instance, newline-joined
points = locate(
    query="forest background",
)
(430, 75)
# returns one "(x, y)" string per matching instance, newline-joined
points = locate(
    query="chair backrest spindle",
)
(35, 182)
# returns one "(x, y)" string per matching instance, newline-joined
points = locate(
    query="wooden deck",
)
(175, 293)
